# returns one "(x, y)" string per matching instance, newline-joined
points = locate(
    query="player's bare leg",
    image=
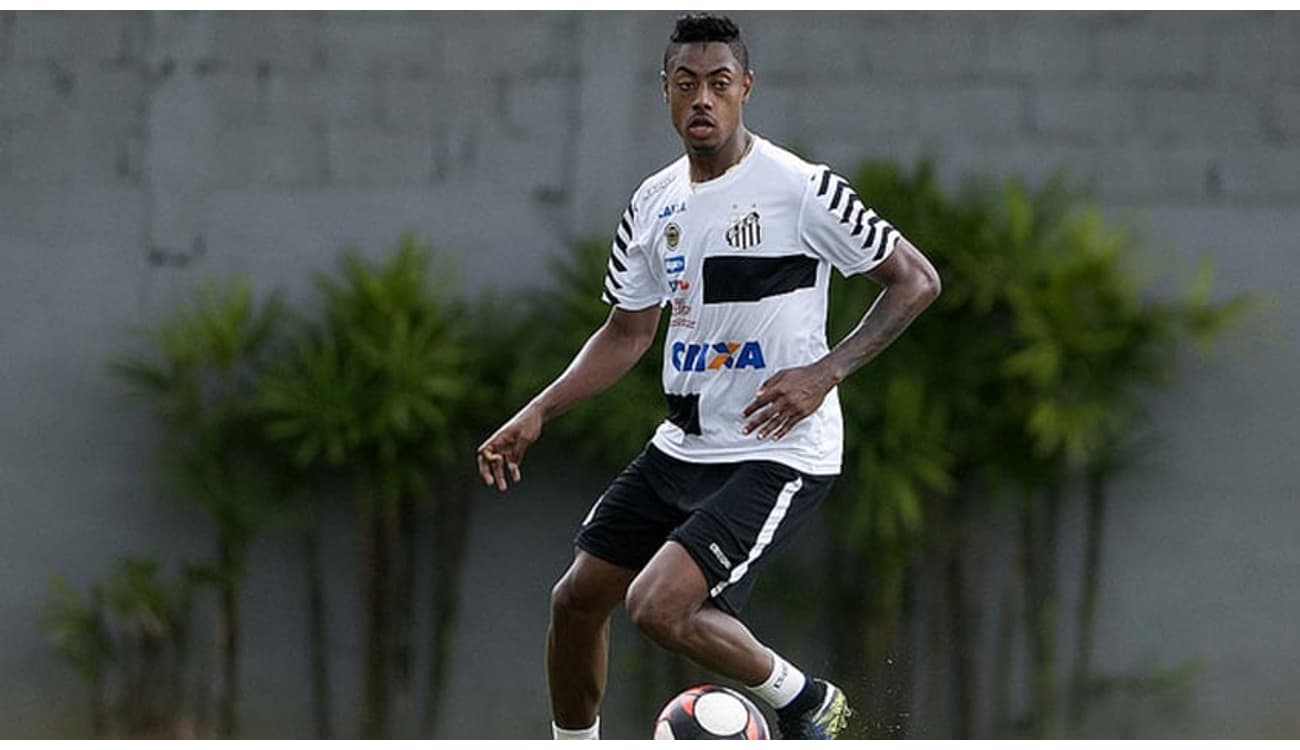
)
(577, 641)
(667, 601)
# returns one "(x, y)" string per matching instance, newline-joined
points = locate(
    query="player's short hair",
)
(706, 27)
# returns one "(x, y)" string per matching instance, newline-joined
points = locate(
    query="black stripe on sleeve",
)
(614, 261)
(826, 181)
(848, 207)
(610, 297)
(862, 216)
(885, 239)
(730, 278)
(872, 221)
(839, 190)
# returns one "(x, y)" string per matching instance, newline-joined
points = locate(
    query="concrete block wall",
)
(143, 151)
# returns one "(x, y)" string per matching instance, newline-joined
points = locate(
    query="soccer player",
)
(737, 237)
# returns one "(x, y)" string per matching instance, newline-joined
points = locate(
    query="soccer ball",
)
(710, 712)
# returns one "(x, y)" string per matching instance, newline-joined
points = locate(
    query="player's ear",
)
(748, 83)
(663, 82)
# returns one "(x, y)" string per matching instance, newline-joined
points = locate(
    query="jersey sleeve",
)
(630, 279)
(840, 228)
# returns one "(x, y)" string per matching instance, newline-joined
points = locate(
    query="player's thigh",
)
(631, 519)
(739, 526)
(671, 584)
(590, 587)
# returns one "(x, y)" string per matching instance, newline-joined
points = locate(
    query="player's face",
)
(706, 90)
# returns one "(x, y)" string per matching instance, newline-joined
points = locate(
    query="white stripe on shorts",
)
(592, 513)
(765, 534)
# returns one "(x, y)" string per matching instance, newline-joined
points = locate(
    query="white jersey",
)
(744, 261)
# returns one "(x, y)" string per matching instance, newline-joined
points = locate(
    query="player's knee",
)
(656, 616)
(573, 598)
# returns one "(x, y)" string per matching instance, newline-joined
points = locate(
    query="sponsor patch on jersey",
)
(678, 285)
(673, 208)
(681, 317)
(673, 234)
(745, 232)
(729, 355)
(674, 264)
(658, 187)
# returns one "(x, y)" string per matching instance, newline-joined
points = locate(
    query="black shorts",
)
(730, 517)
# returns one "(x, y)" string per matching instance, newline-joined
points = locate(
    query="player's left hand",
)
(786, 398)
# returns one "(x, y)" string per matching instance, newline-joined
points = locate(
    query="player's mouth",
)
(700, 127)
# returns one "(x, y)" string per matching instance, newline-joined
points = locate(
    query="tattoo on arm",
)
(889, 316)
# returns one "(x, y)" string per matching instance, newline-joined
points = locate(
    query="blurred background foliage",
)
(1020, 391)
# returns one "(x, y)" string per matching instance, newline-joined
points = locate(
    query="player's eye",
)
(721, 85)
(685, 85)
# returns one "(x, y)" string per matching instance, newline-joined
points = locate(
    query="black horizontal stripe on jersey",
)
(684, 411)
(732, 278)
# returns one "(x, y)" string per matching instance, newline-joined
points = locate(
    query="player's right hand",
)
(503, 452)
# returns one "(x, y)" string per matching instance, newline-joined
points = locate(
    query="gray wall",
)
(140, 152)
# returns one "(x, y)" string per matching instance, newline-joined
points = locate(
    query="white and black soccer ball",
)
(710, 712)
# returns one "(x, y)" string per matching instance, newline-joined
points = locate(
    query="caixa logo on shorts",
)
(729, 355)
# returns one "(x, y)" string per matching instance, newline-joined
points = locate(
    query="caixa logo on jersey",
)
(728, 355)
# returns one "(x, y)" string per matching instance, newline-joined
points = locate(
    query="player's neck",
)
(710, 166)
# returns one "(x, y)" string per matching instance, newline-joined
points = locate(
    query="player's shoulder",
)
(793, 170)
(659, 186)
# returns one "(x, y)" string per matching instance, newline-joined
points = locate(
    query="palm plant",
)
(199, 375)
(78, 630)
(1024, 375)
(371, 393)
(131, 642)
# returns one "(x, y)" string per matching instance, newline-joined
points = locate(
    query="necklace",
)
(749, 146)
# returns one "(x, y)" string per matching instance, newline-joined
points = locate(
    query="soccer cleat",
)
(822, 723)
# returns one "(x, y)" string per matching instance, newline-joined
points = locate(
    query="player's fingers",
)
(514, 471)
(766, 394)
(766, 422)
(755, 422)
(499, 473)
(787, 424)
(484, 466)
(763, 397)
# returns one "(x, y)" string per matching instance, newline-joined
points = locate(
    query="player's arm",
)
(911, 284)
(610, 352)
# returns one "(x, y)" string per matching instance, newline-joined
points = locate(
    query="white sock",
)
(782, 685)
(590, 733)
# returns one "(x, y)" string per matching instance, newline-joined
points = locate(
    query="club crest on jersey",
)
(729, 355)
(745, 232)
(673, 234)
